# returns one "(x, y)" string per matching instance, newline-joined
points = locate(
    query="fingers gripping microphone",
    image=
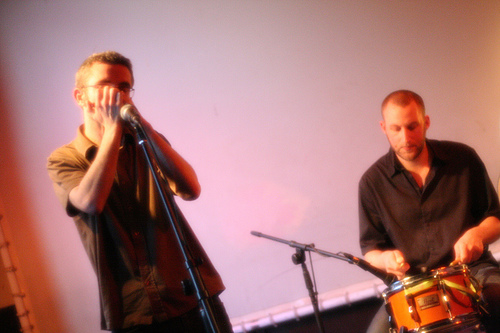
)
(129, 113)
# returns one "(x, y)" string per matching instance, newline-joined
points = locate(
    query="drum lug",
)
(441, 287)
(410, 300)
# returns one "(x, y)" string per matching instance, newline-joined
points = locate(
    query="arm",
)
(470, 245)
(102, 125)
(91, 194)
(181, 176)
(373, 235)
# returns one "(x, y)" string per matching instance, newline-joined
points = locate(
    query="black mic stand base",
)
(299, 258)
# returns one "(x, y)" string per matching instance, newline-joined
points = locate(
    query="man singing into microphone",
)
(104, 183)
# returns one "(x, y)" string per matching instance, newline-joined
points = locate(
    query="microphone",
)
(384, 276)
(129, 113)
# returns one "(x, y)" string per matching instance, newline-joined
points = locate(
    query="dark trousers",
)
(190, 322)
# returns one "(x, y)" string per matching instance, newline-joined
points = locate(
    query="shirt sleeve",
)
(486, 202)
(66, 170)
(373, 235)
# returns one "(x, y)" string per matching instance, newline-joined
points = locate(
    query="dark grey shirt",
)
(424, 223)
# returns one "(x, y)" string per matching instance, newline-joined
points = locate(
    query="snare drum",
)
(442, 300)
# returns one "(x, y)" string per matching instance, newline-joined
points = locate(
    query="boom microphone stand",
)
(299, 258)
(172, 212)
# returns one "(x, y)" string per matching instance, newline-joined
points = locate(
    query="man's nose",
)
(405, 134)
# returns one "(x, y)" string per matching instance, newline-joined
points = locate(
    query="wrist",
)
(112, 132)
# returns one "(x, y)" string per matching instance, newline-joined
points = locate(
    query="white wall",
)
(275, 104)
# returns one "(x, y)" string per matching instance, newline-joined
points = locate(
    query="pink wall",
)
(275, 104)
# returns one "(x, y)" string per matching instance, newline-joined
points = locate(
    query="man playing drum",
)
(428, 204)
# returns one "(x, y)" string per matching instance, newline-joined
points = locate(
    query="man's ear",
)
(382, 126)
(78, 95)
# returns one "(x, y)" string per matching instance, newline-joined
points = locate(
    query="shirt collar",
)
(84, 146)
(89, 149)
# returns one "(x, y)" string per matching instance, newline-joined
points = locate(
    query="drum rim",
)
(450, 325)
(409, 281)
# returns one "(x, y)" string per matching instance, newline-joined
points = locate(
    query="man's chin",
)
(407, 156)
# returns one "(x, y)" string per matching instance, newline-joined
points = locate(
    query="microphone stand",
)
(166, 196)
(299, 258)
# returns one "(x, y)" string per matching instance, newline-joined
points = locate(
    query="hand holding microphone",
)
(130, 114)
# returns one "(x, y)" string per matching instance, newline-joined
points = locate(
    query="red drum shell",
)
(441, 297)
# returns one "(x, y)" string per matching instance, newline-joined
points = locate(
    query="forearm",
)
(374, 257)
(470, 246)
(488, 230)
(181, 176)
(91, 194)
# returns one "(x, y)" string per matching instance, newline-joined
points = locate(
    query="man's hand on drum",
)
(395, 263)
(392, 261)
(469, 247)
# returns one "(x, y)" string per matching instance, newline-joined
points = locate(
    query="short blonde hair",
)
(107, 57)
